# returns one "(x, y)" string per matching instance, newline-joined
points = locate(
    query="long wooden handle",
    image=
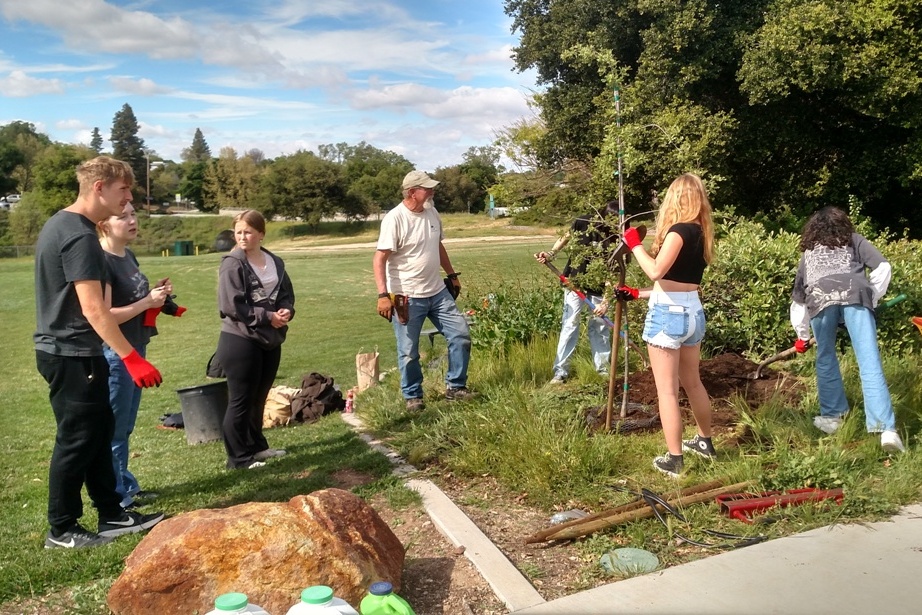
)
(623, 513)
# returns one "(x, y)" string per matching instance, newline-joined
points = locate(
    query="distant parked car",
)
(4, 204)
(13, 198)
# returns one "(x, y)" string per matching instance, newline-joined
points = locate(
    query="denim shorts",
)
(674, 320)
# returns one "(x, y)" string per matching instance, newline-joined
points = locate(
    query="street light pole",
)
(147, 173)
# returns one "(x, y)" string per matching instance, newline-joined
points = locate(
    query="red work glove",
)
(179, 311)
(143, 373)
(150, 317)
(626, 293)
(631, 237)
(801, 346)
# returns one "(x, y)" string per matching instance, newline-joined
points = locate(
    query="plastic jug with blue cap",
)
(235, 603)
(381, 600)
(319, 600)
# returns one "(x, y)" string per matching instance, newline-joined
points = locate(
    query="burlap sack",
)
(277, 410)
(366, 369)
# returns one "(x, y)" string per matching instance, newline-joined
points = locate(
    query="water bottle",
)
(350, 397)
(235, 603)
(381, 600)
(319, 600)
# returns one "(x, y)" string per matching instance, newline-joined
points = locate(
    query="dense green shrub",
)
(746, 292)
(514, 311)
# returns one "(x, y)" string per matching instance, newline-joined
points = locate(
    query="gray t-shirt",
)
(836, 276)
(67, 251)
(128, 286)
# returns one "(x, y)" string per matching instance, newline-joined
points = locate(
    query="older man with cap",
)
(407, 265)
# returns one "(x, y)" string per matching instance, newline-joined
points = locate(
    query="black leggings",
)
(250, 372)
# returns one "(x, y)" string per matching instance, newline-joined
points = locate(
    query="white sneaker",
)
(890, 441)
(828, 424)
(558, 380)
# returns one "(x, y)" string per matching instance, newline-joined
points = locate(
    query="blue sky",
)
(427, 80)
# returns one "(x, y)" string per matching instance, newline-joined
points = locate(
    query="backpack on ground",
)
(318, 396)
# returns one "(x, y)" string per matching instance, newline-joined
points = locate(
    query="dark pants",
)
(250, 373)
(79, 394)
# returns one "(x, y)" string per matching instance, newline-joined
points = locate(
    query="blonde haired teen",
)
(683, 245)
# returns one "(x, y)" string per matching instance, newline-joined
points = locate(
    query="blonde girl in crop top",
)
(683, 245)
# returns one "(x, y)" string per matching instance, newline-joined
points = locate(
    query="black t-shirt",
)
(128, 286)
(689, 264)
(596, 239)
(67, 251)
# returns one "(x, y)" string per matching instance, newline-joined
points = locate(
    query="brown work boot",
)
(416, 404)
(459, 394)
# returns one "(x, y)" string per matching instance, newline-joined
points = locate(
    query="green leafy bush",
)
(515, 311)
(746, 292)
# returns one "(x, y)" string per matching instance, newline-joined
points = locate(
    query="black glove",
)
(452, 289)
(170, 308)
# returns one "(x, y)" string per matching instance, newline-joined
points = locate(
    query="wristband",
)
(383, 295)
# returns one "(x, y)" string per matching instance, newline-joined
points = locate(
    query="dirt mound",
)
(725, 377)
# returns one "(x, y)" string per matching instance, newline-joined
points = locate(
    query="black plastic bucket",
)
(203, 410)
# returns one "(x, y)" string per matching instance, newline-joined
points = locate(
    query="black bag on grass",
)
(318, 396)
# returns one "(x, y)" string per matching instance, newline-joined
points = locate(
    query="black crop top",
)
(689, 265)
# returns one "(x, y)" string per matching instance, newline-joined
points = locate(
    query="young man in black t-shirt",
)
(72, 321)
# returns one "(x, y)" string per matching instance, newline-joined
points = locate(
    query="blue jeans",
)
(674, 320)
(442, 310)
(862, 330)
(125, 399)
(598, 332)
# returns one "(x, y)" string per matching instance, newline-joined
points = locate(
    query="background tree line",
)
(354, 181)
(782, 105)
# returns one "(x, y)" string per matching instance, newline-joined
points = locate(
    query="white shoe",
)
(558, 380)
(828, 424)
(890, 441)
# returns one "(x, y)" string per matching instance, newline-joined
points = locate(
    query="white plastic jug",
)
(319, 600)
(235, 604)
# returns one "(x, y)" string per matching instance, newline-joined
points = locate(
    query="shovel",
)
(756, 375)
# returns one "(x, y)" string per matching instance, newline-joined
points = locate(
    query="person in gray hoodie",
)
(256, 302)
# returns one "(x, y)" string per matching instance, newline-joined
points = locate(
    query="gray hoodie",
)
(246, 307)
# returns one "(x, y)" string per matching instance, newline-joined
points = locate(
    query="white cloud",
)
(69, 124)
(18, 84)
(138, 87)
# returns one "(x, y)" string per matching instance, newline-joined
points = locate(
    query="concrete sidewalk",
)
(874, 568)
(841, 570)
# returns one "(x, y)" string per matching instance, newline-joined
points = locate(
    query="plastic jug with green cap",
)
(235, 603)
(381, 600)
(319, 600)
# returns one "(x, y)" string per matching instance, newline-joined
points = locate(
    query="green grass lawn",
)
(530, 437)
(335, 319)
